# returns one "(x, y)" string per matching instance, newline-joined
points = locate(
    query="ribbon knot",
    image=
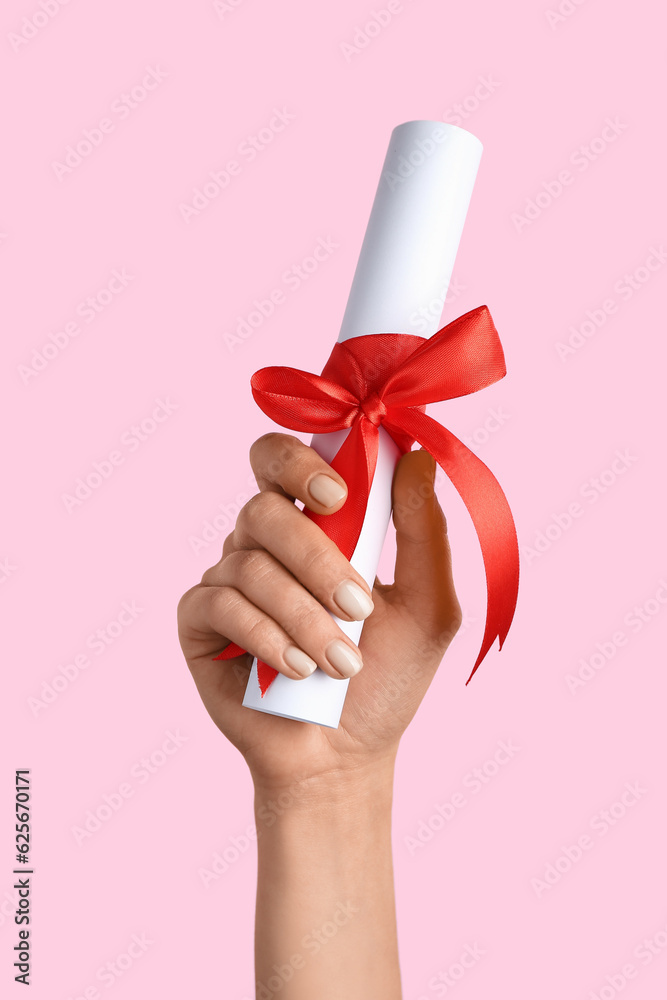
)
(389, 378)
(373, 408)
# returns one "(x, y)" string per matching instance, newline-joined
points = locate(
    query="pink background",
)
(218, 75)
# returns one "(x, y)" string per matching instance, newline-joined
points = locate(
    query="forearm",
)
(326, 920)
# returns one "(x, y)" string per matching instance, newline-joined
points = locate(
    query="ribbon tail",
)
(265, 673)
(491, 515)
(266, 676)
(230, 651)
(355, 461)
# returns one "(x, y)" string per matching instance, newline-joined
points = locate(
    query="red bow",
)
(387, 379)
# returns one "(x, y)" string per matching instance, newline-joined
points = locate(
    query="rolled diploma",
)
(405, 265)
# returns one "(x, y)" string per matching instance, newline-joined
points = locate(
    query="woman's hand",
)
(325, 916)
(271, 591)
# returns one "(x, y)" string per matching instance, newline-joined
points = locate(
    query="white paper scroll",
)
(405, 265)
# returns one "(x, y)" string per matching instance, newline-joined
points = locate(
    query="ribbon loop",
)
(387, 378)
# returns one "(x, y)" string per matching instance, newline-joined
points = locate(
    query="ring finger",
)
(261, 579)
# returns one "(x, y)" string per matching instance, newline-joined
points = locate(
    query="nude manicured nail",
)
(299, 661)
(325, 490)
(343, 659)
(354, 601)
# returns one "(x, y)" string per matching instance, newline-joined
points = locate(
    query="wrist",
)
(325, 882)
(350, 790)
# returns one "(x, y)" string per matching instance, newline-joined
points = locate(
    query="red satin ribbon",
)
(388, 379)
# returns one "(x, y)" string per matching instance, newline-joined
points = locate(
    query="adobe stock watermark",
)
(130, 441)
(472, 783)
(600, 824)
(581, 159)
(364, 34)
(635, 620)
(86, 312)
(291, 281)
(140, 773)
(446, 979)
(394, 688)
(32, 24)
(223, 7)
(495, 420)
(117, 967)
(247, 151)
(422, 150)
(213, 529)
(485, 88)
(121, 109)
(7, 569)
(591, 491)
(421, 320)
(625, 289)
(237, 846)
(644, 953)
(311, 943)
(564, 10)
(10, 901)
(98, 642)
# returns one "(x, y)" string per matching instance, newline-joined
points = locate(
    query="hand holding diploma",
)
(285, 605)
(323, 795)
(272, 591)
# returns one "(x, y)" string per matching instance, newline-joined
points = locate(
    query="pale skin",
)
(325, 915)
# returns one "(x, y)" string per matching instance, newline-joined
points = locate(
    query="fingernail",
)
(299, 661)
(354, 601)
(343, 659)
(325, 490)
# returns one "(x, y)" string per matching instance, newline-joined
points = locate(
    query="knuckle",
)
(318, 557)
(270, 441)
(209, 575)
(258, 510)
(262, 640)
(449, 631)
(250, 565)
(274, 448)
(447, 624)
(228, 544)
(246, 512)
(185, 604)
(224, 601)
(456, 617)
(305, 617)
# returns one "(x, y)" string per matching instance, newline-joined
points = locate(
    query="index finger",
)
(283, 464)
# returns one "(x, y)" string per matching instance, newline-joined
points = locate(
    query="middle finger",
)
(272, 522)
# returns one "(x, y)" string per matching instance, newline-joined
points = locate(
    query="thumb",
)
(423, 580)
